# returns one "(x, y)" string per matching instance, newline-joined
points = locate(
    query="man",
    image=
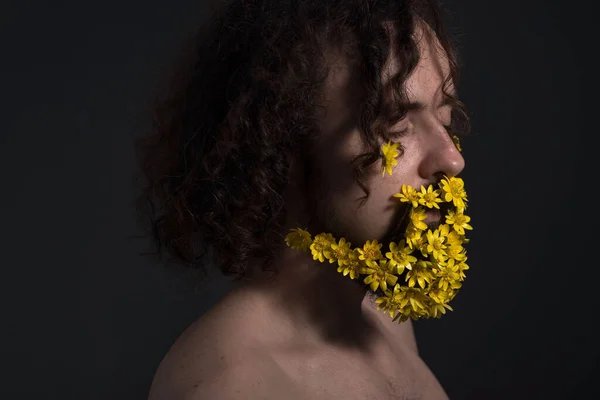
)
(253, 144)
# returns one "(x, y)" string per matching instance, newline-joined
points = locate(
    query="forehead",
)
(341, 90)
(425, 82)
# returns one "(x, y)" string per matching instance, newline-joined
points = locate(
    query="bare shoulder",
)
(216, 358)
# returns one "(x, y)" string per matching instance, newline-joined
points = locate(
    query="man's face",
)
(429, 152)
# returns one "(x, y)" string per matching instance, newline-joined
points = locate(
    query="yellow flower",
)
(405, 303)
(421, 245)
(298, 239)
(435, 244)
(455, 253)
(453, 238)
(436, 309)
(417, 215)
(370, 253)
(409, 312)
(444, 230)
(399, 256)
(453, 191)
(462, 267)
(420, 273)
(322, 242)
(459, 221)
(390, 154)
(448, 277)
(411, 297)
(352, 265)
(456, 141)
(408, 195)
(442, 256)
(380, 275)
(388, 303)
(437, 294)
(412, 236)
(429, 197)
(338, 252)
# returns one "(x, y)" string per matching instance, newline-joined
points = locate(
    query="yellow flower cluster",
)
(390, 156)
(432, 264)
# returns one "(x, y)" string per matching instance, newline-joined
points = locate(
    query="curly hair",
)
(242, 99)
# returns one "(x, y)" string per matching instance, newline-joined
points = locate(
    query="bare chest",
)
(331, 375)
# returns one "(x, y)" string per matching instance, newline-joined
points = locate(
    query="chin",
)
(433, 225)
(374, 294)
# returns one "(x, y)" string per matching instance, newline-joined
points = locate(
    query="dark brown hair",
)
(243, 98)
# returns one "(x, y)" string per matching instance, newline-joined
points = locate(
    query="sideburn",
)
(319, 209)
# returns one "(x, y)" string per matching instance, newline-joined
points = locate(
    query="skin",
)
(308, 332)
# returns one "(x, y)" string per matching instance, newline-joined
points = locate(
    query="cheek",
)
(382, 211)
(383, 206)
(376, 217)
(373, 220)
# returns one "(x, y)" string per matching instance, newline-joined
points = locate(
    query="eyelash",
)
(398, 134)
(404, 132)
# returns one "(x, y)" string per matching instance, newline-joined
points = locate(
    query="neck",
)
(319, 304)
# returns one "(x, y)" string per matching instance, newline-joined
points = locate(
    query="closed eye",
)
(396, 134)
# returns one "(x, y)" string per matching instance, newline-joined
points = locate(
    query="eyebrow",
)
(417, 105)
(412, 106)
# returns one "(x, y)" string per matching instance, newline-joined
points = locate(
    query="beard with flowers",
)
(420, 274)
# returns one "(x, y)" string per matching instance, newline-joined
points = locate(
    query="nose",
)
(440, 157)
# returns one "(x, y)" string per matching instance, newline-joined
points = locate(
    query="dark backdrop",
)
(87, 317)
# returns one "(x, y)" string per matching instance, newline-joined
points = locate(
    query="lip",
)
(433, 216)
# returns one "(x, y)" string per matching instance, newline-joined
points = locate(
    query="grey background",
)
(87, 317)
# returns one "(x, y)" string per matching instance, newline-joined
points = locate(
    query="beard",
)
(325, 218)
(423, 239)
